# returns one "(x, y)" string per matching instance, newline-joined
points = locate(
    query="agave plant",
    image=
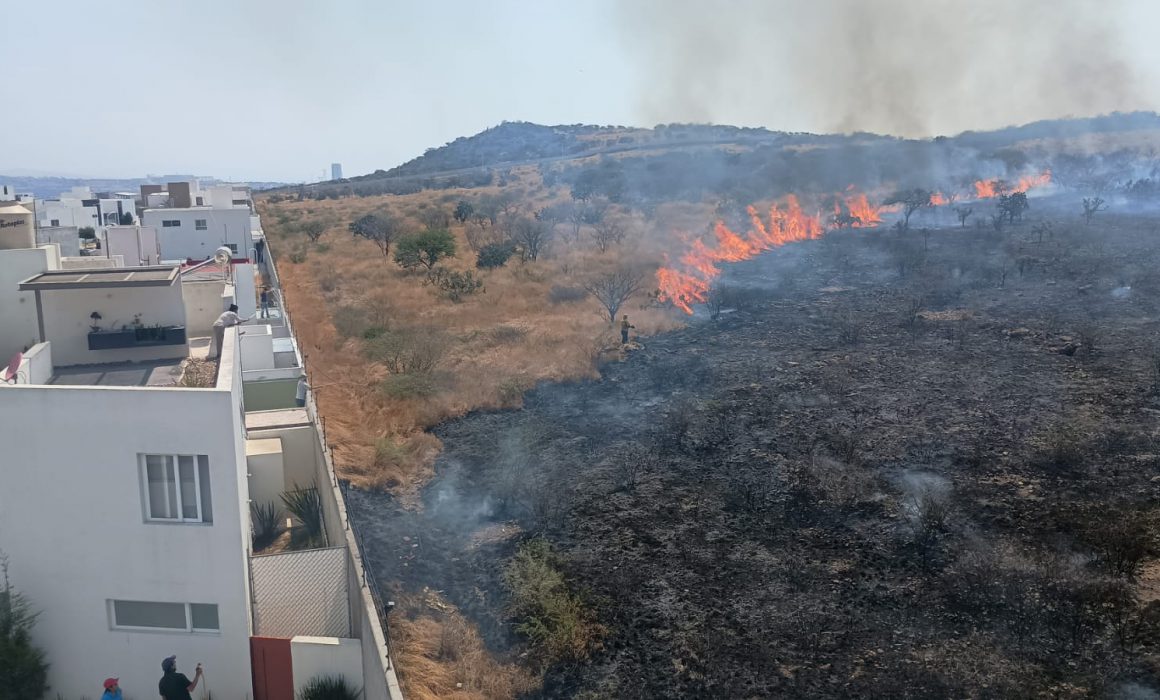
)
(329, 688)
(306, 505)
(267, 523)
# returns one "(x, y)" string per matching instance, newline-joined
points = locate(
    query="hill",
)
(922, 451)
(689, 162)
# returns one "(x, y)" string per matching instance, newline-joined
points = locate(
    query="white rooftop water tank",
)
(16, 229)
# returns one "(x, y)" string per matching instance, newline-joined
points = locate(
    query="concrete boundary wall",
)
(379, 677)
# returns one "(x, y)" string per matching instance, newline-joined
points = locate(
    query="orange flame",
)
(700, 265)
(689, 281)
(985, 189)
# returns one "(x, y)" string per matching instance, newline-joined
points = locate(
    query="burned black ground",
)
(900, 465)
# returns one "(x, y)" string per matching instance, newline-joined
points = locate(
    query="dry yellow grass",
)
(484, 368)
(501, 342)
(440, 655)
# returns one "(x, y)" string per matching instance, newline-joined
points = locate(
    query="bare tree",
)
(531, 235)
(614, 288)
(607, 232)
(911, 201)
(1092, 206)
(434, 218)
(963, 213)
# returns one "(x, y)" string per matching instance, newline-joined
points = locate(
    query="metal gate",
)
(272, 668)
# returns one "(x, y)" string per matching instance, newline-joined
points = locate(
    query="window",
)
(54, 222)
(172, 617)
(233, 247)
(199, 224)
(199, 201)
(176, 488)
(171, 223)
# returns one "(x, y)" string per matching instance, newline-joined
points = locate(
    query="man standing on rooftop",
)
(227, 319)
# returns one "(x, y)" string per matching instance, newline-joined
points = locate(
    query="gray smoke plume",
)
(905, 67)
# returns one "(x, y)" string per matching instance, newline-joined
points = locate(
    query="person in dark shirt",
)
(174, 685)
(624, 326)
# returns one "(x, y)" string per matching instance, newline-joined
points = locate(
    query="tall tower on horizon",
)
(336, 171)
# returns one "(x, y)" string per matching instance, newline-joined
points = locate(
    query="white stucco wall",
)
(257, 348)
(138, 244)
(266, 473)
(185, 241)
(72, 525)
(203, 305)
(18, 309)
(325, 656)
(245, 290)
(67, 323)
(67, 237)
(301, 460)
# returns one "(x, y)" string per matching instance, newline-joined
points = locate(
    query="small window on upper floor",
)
(200, 224)
(176, 488)
(54, 222)
(170, 223)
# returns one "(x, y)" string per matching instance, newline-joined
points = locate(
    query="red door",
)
(272, 668)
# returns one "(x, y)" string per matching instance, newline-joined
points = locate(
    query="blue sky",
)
(278, 89)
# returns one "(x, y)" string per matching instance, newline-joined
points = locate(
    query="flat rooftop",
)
(158, 373)
(156, 276)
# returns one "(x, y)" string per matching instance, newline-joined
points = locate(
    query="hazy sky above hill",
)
(278, 89)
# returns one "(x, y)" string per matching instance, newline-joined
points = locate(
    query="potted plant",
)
(94, 317)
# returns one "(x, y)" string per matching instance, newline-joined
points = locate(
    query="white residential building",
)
(80, 207)
(194, 233)
(126, 494)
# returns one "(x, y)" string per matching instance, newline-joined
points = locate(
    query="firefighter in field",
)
(624, 326)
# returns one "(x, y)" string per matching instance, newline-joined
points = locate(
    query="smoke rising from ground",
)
(907, 67)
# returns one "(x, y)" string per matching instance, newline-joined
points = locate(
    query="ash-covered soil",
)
(896, 465)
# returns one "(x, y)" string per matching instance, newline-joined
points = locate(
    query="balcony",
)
(137, 337)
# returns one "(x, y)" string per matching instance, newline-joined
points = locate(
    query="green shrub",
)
(424, 249)
(556, 623)
(454, 285)
(408, 386)
(329, 688)
(23, 670)
(407, 350)
(389, 451)
(494, 255)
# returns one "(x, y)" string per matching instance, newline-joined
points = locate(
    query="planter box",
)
(136, 338)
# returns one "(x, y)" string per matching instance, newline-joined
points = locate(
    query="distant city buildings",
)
(336, 171)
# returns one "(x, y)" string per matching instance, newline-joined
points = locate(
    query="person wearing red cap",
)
(112, 689)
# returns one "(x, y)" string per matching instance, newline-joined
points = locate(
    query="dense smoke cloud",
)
(907, 67)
